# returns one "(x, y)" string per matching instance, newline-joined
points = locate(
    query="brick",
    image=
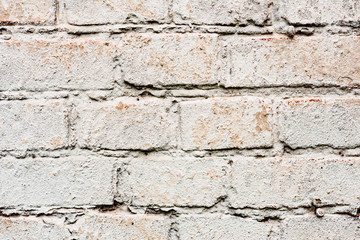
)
(127, 123)
(33, 124)
(27, 11)
(310, 122)
(304, 12)
(169, 59)
(87, 12)
(40, 65)
(223, 123)
(122, 226)
(66, 181)
(31, 228)
(329, 227)
(316, 61)
(225, 12)
(173, 182)
(222, 227)
(294, 181)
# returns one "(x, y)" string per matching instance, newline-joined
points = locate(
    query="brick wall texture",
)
(179, 119)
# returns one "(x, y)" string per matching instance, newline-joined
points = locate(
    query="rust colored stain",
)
(200, 131)
(306, 102)
(267, 39)
(121, 106)
(56, 142)
(262, 120)
(137, 40)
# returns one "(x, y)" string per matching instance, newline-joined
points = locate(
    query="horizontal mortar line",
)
(173, 24)
(191, 88)
(180, 98)
(124, 28)
(304, 87)
(126, 25)
(166, 211)
(220, 33)
(199, 154)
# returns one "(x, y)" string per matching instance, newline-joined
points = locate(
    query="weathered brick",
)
(121, 226)
(222, 227)
(86, 12)
(222, 123)
(173, 182)
(127, 123)
(31, 228)
(329, 227)
(310, 122)
(169, 59)
(67, 181)
(224, 12)
(318, 61)
(33, 124)
(27, 11)
(294, 181)
(345, 12)
(56, 64)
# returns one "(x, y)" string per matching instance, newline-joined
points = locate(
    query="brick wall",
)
(179, 119)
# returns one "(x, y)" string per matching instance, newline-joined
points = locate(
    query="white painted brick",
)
(226, 227)
(221, 123)
(310, 122)
(127, 123)
(280, 61)
(224, 12)
(27, 11)
(329, 227)
(122, 226)
(169, 59)
(56, 64)
(294, 181)
(31, 228)
(193, 110)
(67, 181)
(86, 12)
(173, 182)
(321, 12)
(33, 124)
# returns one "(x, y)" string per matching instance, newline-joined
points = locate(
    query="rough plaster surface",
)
(222, 227)
(225, 12)
(293, 182)
(70, 181)
(176, 120)
(280, 61)
(116, 11)
(119, 226)
(127, 123)
(329, 227)
(39, 64)
(33, 124)
(27, 11)
(31, 228)
(168, 182)
(222, 123)
(323, 12)
(167, 59)
(310, 122)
